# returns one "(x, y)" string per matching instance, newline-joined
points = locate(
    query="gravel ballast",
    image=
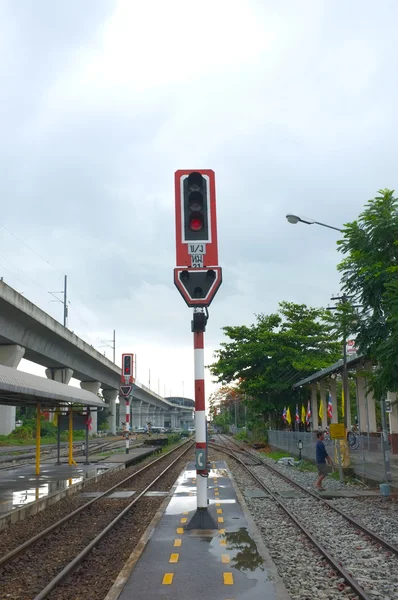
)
(304, 571)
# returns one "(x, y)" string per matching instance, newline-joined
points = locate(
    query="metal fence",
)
(287, 440)
(366, 459)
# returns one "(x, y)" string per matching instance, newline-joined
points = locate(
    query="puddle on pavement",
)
(45, 487)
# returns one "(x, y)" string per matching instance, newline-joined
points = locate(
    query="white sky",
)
(292, 104)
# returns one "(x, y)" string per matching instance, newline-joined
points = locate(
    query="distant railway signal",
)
(128, 368)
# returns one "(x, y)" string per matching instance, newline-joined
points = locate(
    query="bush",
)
(174, 438)
(24, 432)
(242, 435)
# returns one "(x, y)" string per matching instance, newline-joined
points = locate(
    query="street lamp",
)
(294, 219)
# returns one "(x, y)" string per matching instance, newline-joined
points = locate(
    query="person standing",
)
(321, 457)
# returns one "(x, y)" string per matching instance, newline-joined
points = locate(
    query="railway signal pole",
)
(197, 277)
(126, 387)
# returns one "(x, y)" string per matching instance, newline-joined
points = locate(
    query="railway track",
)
(36, 568)
(50, 453)
(362, 543)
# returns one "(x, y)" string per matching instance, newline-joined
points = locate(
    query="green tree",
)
(370, 276)
(265, 359)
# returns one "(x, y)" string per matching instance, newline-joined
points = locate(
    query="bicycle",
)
(353, 440)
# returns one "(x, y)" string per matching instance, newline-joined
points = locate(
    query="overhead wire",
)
(76, 311)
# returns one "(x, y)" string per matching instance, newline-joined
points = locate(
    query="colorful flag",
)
(308, 419)
(321, 410)
(56, 416)
(330, 407)
(284, 414)
(342, 402)
(302, 414)
(288, 416)
(88, 420)
(297, 414)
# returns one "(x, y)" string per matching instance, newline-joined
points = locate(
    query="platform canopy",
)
(20, 389)
(337, 367)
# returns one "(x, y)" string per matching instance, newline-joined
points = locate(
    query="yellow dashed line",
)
(180, 530)
(225, 558)
(218, 504)
(177, 543)
(185, 513)
(228, 579)
(223, 542)
(168, 578)
(216, 494)
(219, 511)
(216, 489)
(183, 520)
(221, 531)
(174, 558)
(220, 519)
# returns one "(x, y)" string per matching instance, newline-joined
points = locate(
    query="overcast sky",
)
(292, 104)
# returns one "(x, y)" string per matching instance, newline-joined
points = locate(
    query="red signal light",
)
(195, 223)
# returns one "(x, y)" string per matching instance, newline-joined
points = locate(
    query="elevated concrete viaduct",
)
(28, 332)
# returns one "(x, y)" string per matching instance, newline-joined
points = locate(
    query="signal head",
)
(196, 226)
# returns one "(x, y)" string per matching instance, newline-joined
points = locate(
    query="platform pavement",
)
(21, 488)
(227, 563)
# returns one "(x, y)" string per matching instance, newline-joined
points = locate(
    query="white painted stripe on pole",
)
(200, 426)
(201, 490)
(199, 357)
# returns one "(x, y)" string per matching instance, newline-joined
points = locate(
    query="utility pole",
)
(344, 299)
(111, 344)
(65, 299)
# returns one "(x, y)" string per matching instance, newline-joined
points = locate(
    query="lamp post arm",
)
(328, 226)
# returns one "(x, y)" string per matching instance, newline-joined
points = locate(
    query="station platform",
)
(227, 563)
(23, 493)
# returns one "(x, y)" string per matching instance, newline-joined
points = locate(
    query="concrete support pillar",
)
(10, 356)
(161, 417)
(136, 407)
(322, 389)
(314, 407)
(110, 398)
(393, 421)
(333, 393)
(158, 415)
(362, 401)
(93, 387)
(167, 418)
(349, 412)
(60, 374)
(121, 413)
(370, 403)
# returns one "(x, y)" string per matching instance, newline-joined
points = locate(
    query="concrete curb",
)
(132, 560)
(281, 592)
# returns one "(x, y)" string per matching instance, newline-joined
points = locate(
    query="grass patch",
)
(307, 467)
(276, 454)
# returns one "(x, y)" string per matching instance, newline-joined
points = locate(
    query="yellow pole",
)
(71, 461)
(38, 423)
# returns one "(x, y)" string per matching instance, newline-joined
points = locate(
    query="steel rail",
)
(372, 534)
(335, 564)
(42, 534)
(70, 567)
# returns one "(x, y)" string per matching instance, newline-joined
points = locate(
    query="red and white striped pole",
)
(127, 424)
(202, 519)
(200, 417)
